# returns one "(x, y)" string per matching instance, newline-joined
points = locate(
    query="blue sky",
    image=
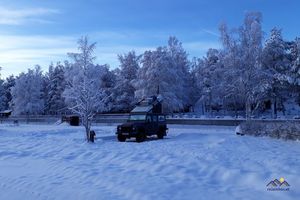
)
(40, 31)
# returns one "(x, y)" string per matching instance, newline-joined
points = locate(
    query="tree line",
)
(248, 73)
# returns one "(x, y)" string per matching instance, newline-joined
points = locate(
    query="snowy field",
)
(193, 162)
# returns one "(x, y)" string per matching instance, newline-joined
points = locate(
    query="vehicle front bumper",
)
(131, 133)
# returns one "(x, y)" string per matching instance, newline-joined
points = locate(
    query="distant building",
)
(5, 113)
(149, 105)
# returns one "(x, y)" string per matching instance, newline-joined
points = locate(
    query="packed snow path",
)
(193, 162)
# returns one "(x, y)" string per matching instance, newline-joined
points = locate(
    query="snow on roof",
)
(142, 109)
(5, 111)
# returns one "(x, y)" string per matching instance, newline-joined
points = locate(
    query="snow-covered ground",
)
(193, 162)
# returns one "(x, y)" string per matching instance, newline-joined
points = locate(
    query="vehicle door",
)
(162, 121)
(149, 127)
(155, 126)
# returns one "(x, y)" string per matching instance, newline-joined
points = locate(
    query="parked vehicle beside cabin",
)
(146, 119)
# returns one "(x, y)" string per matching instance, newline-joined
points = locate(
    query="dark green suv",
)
(141, 125)
(146, 119)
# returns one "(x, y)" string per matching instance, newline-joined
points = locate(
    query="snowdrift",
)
(285, 130)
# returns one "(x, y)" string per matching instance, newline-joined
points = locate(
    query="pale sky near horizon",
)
(38, 32)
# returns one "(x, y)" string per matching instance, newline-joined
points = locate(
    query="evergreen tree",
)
(293, 75)
(56, 86)
(8, 85)
(181, 65)
(107, 84)
(276, 66)
(2, 95)
(210, 81)
(3, 99)
(124, 89)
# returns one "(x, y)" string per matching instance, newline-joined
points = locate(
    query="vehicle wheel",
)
(140, 137)
(121, 138)
(160, 135)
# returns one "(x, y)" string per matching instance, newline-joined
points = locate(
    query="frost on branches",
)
(242, 59)
(123, 92)
(83, 92)
(27, 93)
(165, 70)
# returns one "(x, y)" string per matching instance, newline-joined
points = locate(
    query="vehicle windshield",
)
(137, 117)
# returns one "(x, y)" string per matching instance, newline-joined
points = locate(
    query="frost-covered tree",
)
(242, 60)
(209, 79)
(27, 93)
(195, 90)
(181, 65)
(276, 65)
(55, 102)
(3, 98)
(2, 94)
(8, 85)
(165, 70)
(293, 76)
(158, 76)
(83, 92)
(123, 91)
(107, 84)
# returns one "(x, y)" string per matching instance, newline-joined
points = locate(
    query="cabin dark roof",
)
(143, 109)
(147, 105)
(5, 112)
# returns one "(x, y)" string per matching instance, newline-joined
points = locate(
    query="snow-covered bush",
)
(284, 130)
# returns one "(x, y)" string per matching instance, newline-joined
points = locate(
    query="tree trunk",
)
(87, 132)
(87, 127)
(282, 104)
(235, 109)
(274, 108)
(210, 104)
(248, 110)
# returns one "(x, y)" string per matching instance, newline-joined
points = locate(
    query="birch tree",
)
(242, 59)
(83, 91)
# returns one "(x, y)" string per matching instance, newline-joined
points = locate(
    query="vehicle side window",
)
(161, 118)
(148, 119)
(154, 118)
